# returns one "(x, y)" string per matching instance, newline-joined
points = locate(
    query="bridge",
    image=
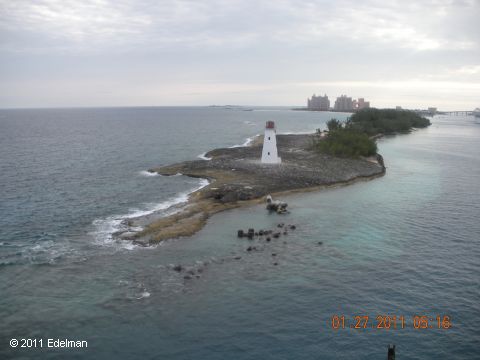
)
(460, 113)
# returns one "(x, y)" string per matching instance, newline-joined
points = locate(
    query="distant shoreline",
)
(237, 178)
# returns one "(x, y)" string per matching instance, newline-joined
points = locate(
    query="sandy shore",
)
(238, 178)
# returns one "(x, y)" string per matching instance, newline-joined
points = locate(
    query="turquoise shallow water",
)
(403, 244)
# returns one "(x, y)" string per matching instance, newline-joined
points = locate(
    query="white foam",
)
(298, 133)
(148, 173)
(144, 294)
(203, 157)
(106, 227)
(247, 142)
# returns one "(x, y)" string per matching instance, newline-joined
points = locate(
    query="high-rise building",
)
(361, 104)
(318, 103)
(343, 103)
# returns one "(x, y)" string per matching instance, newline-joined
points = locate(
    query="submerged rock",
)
(178, 268)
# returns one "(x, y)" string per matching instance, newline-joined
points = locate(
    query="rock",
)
(278, 206)
(249, 248)
(273, 254)
(260, 233)
(280, 225)
(320, 243)
(276, 235)
(282, 209)
(285, 232)
(275, 263)
(240, 233)
(256, 234)
(178, 268)
(187, 277)
(237, 257)
(127, 235)
(292, 227)
(140, 242)
(268, 239)
(381, 161)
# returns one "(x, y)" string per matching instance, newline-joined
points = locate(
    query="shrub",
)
(385, 121)
(346, 143)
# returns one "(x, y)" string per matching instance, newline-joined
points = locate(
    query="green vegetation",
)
(344, 142)
(334, 124)
(354, 137)
(385, 121)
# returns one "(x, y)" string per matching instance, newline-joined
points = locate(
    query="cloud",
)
(260, 50)
(89, 23)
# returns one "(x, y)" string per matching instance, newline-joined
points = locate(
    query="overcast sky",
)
(278, 52)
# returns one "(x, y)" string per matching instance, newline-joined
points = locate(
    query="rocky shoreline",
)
(237, 178)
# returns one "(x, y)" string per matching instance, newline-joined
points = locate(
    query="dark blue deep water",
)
(406, 244)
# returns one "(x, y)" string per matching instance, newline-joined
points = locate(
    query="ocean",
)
(403, 245)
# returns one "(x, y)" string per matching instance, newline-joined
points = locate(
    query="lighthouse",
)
(269, 152)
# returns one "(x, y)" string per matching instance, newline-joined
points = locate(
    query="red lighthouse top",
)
(270, 125)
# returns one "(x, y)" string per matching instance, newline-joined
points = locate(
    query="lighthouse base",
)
(272, 161)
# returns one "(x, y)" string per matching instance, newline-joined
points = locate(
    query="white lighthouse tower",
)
(269, 152)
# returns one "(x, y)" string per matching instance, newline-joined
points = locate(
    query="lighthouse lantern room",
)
(269, 152)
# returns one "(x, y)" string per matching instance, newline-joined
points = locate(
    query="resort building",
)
(318, 103)
(343, 103)
(360, 104)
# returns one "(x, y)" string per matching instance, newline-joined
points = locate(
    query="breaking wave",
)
(106, 227)
(247, 142)
(147, 173)
(203, 157)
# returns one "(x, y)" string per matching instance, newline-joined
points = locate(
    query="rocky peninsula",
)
(237, 178)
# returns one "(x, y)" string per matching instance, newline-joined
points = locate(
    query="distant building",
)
(432, 110)
(360, 104)
(318, 103)
(398, 108)
(343, 103)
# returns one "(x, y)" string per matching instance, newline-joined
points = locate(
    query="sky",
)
(69, 53)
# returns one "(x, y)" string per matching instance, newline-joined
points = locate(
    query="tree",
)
(333, 124)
